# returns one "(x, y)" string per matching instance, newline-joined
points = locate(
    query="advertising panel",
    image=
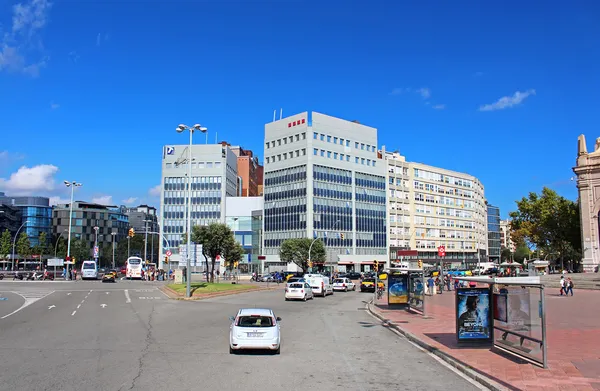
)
(416, 289)
(473, 315)
(500, 307)
(515, 308)
(398, 289)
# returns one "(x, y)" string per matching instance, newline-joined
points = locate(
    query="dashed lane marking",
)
(128, 299)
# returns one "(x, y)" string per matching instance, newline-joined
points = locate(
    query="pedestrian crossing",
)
(33, 294)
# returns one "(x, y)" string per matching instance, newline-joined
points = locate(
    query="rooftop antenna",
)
(281, 113)
(274, 114)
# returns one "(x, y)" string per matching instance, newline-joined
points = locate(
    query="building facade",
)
(142, 217)
(240, 216)
(109, 219)
(214, 178)
(505, 238)
(494, 233)
(249, 170)
(36, 214)
(323, 179)
(10, 219)
(431, 207)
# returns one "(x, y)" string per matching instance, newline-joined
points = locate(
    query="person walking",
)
(562, 284)
(569, 287)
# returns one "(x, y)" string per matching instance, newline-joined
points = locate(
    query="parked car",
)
(343, 284)
(320, 284)
(298, 291)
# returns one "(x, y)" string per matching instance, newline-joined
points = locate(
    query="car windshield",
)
(338, 281)
(134, 261)
(369, 280)
(255, 321)
(89, 265)
(296, 286)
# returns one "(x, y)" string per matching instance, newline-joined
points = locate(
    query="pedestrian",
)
(430, 285)
(569, 287)
(562, 284)
(448, 281)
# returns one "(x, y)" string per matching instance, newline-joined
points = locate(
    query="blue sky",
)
(91, 91)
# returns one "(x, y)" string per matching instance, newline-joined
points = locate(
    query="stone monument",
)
(588, 184)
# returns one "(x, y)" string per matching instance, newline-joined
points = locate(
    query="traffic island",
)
(205, 290)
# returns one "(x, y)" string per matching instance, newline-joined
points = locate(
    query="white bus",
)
(89, 270)
(134, 267)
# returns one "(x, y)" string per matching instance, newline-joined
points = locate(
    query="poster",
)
(518, 314)
(416, 288)
(398, 289)
(500, 307)
(473, 320)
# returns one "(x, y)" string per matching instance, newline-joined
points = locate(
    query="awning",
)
(345, 263)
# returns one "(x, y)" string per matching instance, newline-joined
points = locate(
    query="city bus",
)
(134, 268)
(89, 270)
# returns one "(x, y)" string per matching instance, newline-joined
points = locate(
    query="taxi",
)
(367, 285)
(111, 276)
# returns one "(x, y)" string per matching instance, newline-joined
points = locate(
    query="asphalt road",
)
(129, 336)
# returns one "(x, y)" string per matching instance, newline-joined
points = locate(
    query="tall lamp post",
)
(128, 241)
(114, 234)
(72, 185)
(146, 240)
(180, 129)
(96, 252)
(15, 243)
(58, 240)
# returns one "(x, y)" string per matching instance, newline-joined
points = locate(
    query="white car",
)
(343, 284)
(320, 284)
(255, 328)
(298, 291)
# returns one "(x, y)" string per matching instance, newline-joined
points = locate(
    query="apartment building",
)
(249, 172)
(323, 179)
(505, 238)
(494, 233)
(431, 207)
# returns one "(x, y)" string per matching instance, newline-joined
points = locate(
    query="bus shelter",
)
(403, 287)
(509, 312)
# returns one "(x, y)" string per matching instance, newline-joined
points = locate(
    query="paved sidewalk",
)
(573, 334)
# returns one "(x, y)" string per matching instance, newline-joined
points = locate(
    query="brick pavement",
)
(573, 335)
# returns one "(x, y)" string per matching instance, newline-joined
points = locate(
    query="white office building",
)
(322, 179)
(214, 177)
(431, 207)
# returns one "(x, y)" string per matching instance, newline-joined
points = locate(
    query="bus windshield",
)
(89, 265)
(134, 261)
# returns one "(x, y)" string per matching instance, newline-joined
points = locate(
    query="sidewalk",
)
(573, 335)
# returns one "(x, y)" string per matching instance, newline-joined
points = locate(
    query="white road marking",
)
(127, 296)
(107, 293)
(51, 306)
(30, 298)
(68, 294)
(103, 305)
(73, 312)
(78, 305)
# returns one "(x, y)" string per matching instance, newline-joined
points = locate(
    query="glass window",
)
(217, 164)
(322, 153)
(315, 135)
(209, 164)
(341, 141)
(329, 154)
(279, 142)
(347, 158)
(356, 145)
(356, 159)
(201, 165)
(347, 143)
(362, 146)
(268, 145)
(328, 139)
(322, 137)
(304, 136)
(315, 151)
(335, 140)
(169, 165)
(335, 155)
(297, 137)
(303, 151)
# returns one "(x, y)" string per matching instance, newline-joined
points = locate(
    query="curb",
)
(455, 363)
(176, 296)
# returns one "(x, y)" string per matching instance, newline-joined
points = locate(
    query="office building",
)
(214, 177)
(505, 238)
(142, 217)
(323, 179)
(86, 216)
(493, 233)
(10, 219)
(249, 172)
(243, 218)
(36, 214)
(431, 207)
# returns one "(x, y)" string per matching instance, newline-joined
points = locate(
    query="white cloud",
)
(56, 200)
(30, 180)
(155, 191)
(439, 107)
(508, 101)
(28, 19)
(130, 200)
(103, 200)
(54, 106)
(424, 92)
(398, 91)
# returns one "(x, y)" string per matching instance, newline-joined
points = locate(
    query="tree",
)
(23, 246)
(42, 246)
(5, 244)
(296, 251)
(521, 252)
(506, 254)
(216, 240)
(548, 222)
(60, 246)
(233, 253)
(79, 250)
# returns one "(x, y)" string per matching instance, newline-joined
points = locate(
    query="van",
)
(320, 284)
(89, 270)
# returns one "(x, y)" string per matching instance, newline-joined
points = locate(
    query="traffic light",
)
(310, 264)
(131, 233)
(420, 263)
(235, 264)
(376, 265)
(166, 259)
(342, 236)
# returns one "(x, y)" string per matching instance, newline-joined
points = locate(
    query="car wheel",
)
(286, 299)
(354, 288)
(305, 298)
(278, 351)
(231, 351)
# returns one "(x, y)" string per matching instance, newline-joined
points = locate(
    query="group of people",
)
(566, 286)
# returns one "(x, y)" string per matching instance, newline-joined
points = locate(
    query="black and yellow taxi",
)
(367, 285)
(110, 276)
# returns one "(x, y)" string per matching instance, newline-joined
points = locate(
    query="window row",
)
(286, 140)
(196, 165)
(286, 175)
(343, 157)
(330, 174)
(195, 200)
(368, 180)
(286, 155)
(434, 176)
(344, 142)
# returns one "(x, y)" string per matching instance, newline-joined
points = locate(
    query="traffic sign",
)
(169, 253)
(442, 251)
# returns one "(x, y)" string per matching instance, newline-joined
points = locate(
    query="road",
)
(129, 336)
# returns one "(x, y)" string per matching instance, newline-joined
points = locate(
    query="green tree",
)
(233, 253)
(5, 244)
(60, 247)
(296, 251)
(521, 252)
(506, 254)
(548, 222)
(80, 250)
(42, 247)
(216, 240)
(23, 246)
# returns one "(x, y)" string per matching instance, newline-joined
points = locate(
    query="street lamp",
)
(58, 240)
(146, 240)
(72, 185)
(180, 129)
(96, 252)
(15, 242)
(114, 234)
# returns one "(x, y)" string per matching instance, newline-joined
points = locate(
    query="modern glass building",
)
(494, 233)
(241, 217)
(324, 180)
(36, 214)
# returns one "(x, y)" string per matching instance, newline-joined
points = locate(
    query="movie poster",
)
(416, 288)
(519, 314)
(398, 289)
(500, 307)
(473, 314)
